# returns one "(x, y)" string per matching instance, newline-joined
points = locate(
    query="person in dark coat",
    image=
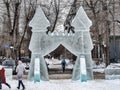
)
(3, 78)
(63, 63)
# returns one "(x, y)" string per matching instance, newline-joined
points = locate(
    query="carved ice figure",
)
(82, 24)
(39, 23)
(42, 44)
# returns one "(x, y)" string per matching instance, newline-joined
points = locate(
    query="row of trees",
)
(17, 11)
(101, 12)
(104, 17)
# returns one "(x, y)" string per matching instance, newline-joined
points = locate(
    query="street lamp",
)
(12, 51)
(11, 47)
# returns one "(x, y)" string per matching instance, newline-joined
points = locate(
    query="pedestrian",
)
(3, 78)
(63, 63)
(20, 71)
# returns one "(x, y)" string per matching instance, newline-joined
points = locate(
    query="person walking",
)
(20, 71)
(3, 78)
(63, 63)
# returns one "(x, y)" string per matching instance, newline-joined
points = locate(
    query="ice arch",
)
(42, 44)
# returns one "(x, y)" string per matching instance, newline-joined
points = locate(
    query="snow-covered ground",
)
(67, 85)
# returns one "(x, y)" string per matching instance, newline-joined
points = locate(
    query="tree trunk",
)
(19, 49)
(107, 43)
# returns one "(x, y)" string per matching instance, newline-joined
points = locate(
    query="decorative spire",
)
(81, 20)
(39, 23)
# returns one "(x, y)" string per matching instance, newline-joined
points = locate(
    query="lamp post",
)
(107, 34)
(12, 51)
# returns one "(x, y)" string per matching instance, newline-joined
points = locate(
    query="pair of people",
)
(20, 71)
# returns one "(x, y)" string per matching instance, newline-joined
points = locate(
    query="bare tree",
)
(71, 15)
(12, 12)
(29, 10)
(54, 7)
(92, 4)
(101, 24)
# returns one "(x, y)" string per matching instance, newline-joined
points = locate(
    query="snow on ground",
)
(101, 67)
(97, 84)
(99, 70)
(67, 85)
(114, 66)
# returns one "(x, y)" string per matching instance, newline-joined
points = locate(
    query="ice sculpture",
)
(42, 44)
(82, 24)
(38, 24)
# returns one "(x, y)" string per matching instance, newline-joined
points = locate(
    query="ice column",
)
(83, 73)
(37, 70)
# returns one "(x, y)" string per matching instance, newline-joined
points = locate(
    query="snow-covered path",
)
(67, 85)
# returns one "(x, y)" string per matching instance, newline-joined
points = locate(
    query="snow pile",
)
(56, 63)
(112, 71)
(101, 65)
(114, 66)
(99, 68)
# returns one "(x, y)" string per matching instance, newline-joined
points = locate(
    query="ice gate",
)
(42, 44)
